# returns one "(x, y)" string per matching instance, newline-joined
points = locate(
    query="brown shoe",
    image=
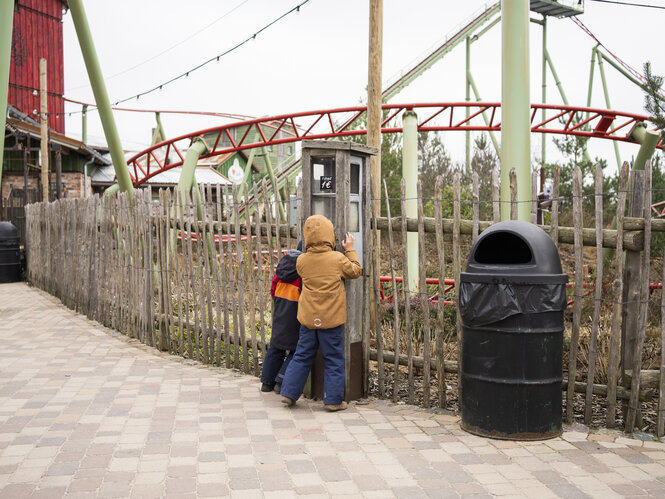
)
(336, 407)
(289, 402)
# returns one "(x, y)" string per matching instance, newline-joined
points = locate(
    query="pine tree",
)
(654, 100)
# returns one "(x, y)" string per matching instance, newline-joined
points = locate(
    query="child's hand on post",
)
(347, 244)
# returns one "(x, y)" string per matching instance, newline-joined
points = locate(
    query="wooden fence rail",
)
(196, 283)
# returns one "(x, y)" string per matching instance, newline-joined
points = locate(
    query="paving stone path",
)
(84, 412)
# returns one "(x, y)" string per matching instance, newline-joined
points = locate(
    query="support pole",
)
(58, 172)
(607, 103)
(84, 124)
(516, 107)
(592, 67)
(101, 96)
(375, 64)
(188, 175)
(555, 75)
(6, 24)
(114, 189)
(158, 135)
(495, 143)
(410, 175)
(543, 144)
(467, 133)
(43, 122)
(648, 140)
(273, 181)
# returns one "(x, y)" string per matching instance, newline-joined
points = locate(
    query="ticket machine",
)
(335, 183)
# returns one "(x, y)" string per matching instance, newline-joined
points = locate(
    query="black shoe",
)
(265, 387)
(278, 387)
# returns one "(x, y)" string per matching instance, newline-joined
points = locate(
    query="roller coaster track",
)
(349, 122)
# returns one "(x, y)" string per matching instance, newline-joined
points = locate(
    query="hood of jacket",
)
(286, 268)
(319, 234)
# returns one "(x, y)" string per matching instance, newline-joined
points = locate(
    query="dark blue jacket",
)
(285, 290)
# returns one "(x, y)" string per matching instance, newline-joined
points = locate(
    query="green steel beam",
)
(476, 36)
(495, 142)
(101, 96)
(607, 103)
(6, 25)
(247, 173)
(441, 51)
(114, 189)
(515, 106)
(543, 23)
(410, 174)
(467, 134)
(648, 140)
(616, 66)
(592, 67)
(187, 178)
(555, 75)
(273, 181)
(158, 135)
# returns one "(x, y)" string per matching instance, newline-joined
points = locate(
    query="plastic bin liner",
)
(497, 298)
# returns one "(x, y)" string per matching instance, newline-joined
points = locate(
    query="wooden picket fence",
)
(197, 284)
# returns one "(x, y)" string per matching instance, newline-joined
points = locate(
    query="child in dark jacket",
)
(285, 292)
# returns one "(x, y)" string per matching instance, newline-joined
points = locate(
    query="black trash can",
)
(10, 253)
(512, 298)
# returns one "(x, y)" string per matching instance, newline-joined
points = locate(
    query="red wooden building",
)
(38, 33)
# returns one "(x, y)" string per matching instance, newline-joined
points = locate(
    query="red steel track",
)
(346, 122)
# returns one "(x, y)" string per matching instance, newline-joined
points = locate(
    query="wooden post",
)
(424, 302)
(396, 347)
(615, 335)
(375, 65)
(58, 172)
(579, 290)
(43, 122)
(513, 195)
(632, 280)
(554, 221)
(457, 270)
(632, 412)
(496, 207)
(476, 208)
(441, 375)
(407, 294)
(593, 344)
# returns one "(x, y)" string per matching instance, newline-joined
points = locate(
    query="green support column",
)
(101, 96)
(158, 134)
(468, 99)
(543, 153)
(410, 174)
(592, 66)
(273, 181)
(648, 140)
(495, 143)
(607, 103)
(187, 178)
(515, 106)
(6, 25)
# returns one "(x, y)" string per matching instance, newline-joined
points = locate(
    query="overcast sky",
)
(317, 59)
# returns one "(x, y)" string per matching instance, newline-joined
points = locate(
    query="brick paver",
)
(85, 412)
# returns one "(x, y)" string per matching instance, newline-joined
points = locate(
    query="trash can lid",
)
(8, 231)
(514, 247)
